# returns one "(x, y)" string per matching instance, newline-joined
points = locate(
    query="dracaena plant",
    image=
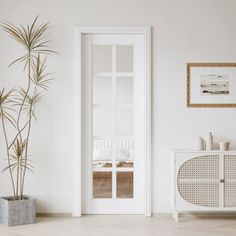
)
(17, 106)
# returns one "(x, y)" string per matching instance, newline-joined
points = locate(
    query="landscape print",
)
(214, 84)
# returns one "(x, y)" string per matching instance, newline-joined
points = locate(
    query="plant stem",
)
(8, 154)
(18, 135)
(17, 180)
(22, 172)
(26, 152)
(27, 143)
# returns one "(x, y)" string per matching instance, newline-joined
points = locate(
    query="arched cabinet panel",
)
(198, 181)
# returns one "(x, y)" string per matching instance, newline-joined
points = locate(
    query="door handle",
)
(222, 181)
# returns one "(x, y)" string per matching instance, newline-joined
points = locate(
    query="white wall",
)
(183, 31)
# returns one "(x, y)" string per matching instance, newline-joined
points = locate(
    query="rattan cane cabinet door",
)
(198, 180)
(230, 180)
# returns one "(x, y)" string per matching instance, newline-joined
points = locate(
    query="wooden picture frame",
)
(211, 85)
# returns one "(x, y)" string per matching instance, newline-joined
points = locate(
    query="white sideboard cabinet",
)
(204, 181)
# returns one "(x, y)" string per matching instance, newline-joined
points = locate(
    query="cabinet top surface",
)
(205, 151)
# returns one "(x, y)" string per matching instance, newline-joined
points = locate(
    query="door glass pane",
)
(102, 153)
(124, 184)
(124, 154)
(124, 58)
(102, 184)
(102, 58)
(124, 164)
(125, 123)
(124, 90)
(102, 90)
(102, 122)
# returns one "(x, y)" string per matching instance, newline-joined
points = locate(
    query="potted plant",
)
(17, 111)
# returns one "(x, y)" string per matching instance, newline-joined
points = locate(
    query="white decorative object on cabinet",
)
(209, 141)
(224, 146)
(198, 144)
(204, 181)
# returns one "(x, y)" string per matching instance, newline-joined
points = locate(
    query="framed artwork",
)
(211, 85)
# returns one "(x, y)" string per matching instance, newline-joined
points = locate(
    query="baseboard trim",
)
(211, 214)
(163, 214)
(50, 214)
(158, 215)
(199, 214)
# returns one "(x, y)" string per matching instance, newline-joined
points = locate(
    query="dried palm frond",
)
(6, 98)
(29, 101)
(30, 37)
(39, 77)
(17, 159)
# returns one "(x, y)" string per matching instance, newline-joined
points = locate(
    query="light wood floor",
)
(124, 226)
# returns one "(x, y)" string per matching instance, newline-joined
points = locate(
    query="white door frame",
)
(79, 31)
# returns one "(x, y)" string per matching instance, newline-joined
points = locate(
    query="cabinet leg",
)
(176, 217)
(173, 214)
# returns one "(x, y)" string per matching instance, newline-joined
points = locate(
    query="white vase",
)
(198, 144)
(209, 141)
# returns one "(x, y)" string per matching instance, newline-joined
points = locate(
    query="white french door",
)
(113, 124)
